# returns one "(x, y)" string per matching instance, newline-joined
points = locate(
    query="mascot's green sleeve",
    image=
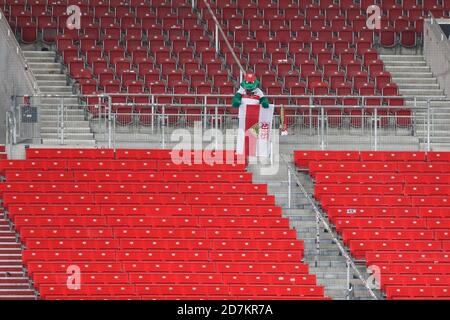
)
(250, 93)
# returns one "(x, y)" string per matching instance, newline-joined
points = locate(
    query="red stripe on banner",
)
(251, 115)
(251, 118)
(256, 98)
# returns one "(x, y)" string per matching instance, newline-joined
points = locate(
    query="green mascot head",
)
(250, 83)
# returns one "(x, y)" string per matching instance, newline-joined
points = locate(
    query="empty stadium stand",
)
(322, 48)
(140, 227)
(125, 223)
(391, 209)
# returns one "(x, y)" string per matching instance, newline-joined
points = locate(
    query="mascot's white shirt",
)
(251, 99)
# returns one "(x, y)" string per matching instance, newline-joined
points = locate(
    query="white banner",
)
(255, 130)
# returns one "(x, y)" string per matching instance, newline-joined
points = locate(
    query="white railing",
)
(320, 219)
(110, 117)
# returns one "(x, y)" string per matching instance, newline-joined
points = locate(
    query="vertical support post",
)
(163, 125)
(376, 128)
(216, 35)
(205, 101)
(428, 126)
(316, 258)
(310, 115)
(348, 279)
(153, 112)
(216, 127)
(61, 119)
(322, 129)
(15, 113)
(289, 188)
(363, 120)
(114, 131)
(109, 123)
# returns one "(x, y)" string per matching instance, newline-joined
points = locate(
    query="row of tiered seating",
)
(165, 47)
(124, 47)
(391, 209)
(140, 226)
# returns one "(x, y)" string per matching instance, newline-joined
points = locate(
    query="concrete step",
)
(17, 291)
(30, 53)
(412, 74)
(15, 280)
(425, 80)
(46, 71)
(322, 253)
(327, 275)
(54, 107)
(412, 63)
(73, 142)
(69, 136)
(74, 130)
(398, 57)
(17, 297)
(424, 92)
(435, 133)
(8, 250)
(312, 236)
(327, 262)
(52, 83)
(51, 77)
(68, 123)
(5, 245)
(54, 111)
(418, 86)
(343, 293)
(6, 268)
(15, 286)
(7, 237)
(436, 113)
(298, 212)
(11, 257)
(44, 65)
(56, 89)
(441, 146)
(342, 283)
(33, 59)
(54, 118)
(69, 99)
(406, 68)
(438, 140)
(325, 243)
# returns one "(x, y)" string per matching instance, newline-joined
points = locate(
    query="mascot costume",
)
(250, 93)
(255, 119)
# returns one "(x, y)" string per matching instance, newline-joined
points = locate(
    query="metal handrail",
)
(218, 95)
(205, 102)
(320, 217)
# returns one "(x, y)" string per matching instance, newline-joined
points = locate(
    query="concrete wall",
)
(15, 76)
(437, 52)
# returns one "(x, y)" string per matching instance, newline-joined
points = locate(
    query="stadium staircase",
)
(413, 77)
(52, 80)
(14, 283)
(329, 266)
(391, 210)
